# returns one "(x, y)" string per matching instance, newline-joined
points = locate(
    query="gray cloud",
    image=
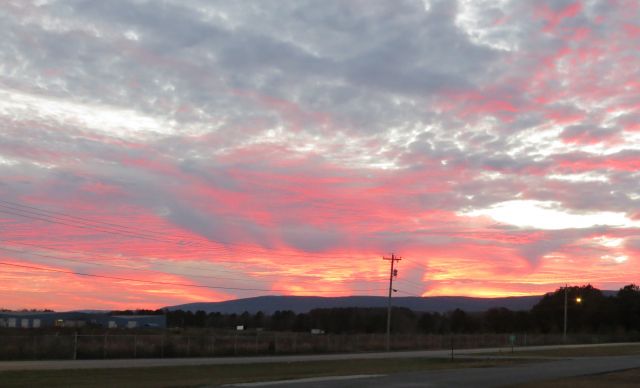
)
(227, 98)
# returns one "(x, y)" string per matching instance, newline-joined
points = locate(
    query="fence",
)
(94, 346)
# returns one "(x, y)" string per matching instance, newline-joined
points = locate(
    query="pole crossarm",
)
(392, 273)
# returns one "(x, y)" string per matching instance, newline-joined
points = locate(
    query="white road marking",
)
(307, 380)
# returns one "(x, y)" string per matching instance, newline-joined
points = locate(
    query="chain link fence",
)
(96, 346)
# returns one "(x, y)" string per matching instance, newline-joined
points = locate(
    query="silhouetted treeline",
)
(595, 313)
(138, 312)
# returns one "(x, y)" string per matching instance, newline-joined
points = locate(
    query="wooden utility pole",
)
(564, 331)
(393, 273)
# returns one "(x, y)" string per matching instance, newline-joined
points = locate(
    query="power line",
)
(411, 282)
(151, 270)
(31, 212)
(130, 279)
(36, 209)
(418, 264)
(95, 225)
(409, 294)
(197, 268)
(111, 257)
(55, 220)
(92, 253)
(155, 282)
(409, 288)
(117, 266)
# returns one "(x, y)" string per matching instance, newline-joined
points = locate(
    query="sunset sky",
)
(180, 151)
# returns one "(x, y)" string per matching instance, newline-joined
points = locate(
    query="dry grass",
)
(624, 379)
(195, 376)
(591, 351)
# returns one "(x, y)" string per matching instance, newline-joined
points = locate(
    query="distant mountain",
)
(303, 304)
(91, 311)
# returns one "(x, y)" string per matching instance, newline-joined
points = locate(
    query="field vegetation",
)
(213, 375)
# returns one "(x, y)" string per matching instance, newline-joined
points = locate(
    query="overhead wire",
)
(154, 270)
(117, 266)
(153, 281)
(14, 242)
(36, 209)
(408, 293)
(417, 263)
(162, 263)
(411, 282)
(29, 214)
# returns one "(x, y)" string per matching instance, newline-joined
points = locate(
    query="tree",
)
(461, 322)
(430, 323)
(628, 307)
(283, 320)
(585, 315)
(500, 320)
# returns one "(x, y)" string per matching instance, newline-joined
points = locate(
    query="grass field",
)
(194, 376)
(595, 351)
(629, 378)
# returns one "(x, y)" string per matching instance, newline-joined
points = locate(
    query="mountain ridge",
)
(302, 304)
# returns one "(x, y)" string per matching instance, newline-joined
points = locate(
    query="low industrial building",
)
(33, 320)
(136, 321)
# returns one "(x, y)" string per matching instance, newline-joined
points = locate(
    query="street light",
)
(578, 301)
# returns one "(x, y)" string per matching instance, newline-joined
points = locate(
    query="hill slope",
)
(301, 304)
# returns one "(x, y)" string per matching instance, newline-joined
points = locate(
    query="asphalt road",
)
(470, 377)
(159, 362)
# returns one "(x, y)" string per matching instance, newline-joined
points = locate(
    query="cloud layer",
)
(285, 146)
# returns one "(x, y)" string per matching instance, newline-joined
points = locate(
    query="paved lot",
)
(473, 377)
(158, 362)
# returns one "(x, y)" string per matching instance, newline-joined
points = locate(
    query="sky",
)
(162, 152)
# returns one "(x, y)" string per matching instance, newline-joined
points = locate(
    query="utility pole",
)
(564, 332)
(393, 273)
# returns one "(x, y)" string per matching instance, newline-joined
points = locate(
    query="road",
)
(160, 362)
(470, 377)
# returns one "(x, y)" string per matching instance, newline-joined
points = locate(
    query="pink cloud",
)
(554, 18)
(584, 162)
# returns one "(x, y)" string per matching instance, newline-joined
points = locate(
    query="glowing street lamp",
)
(578, 301)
